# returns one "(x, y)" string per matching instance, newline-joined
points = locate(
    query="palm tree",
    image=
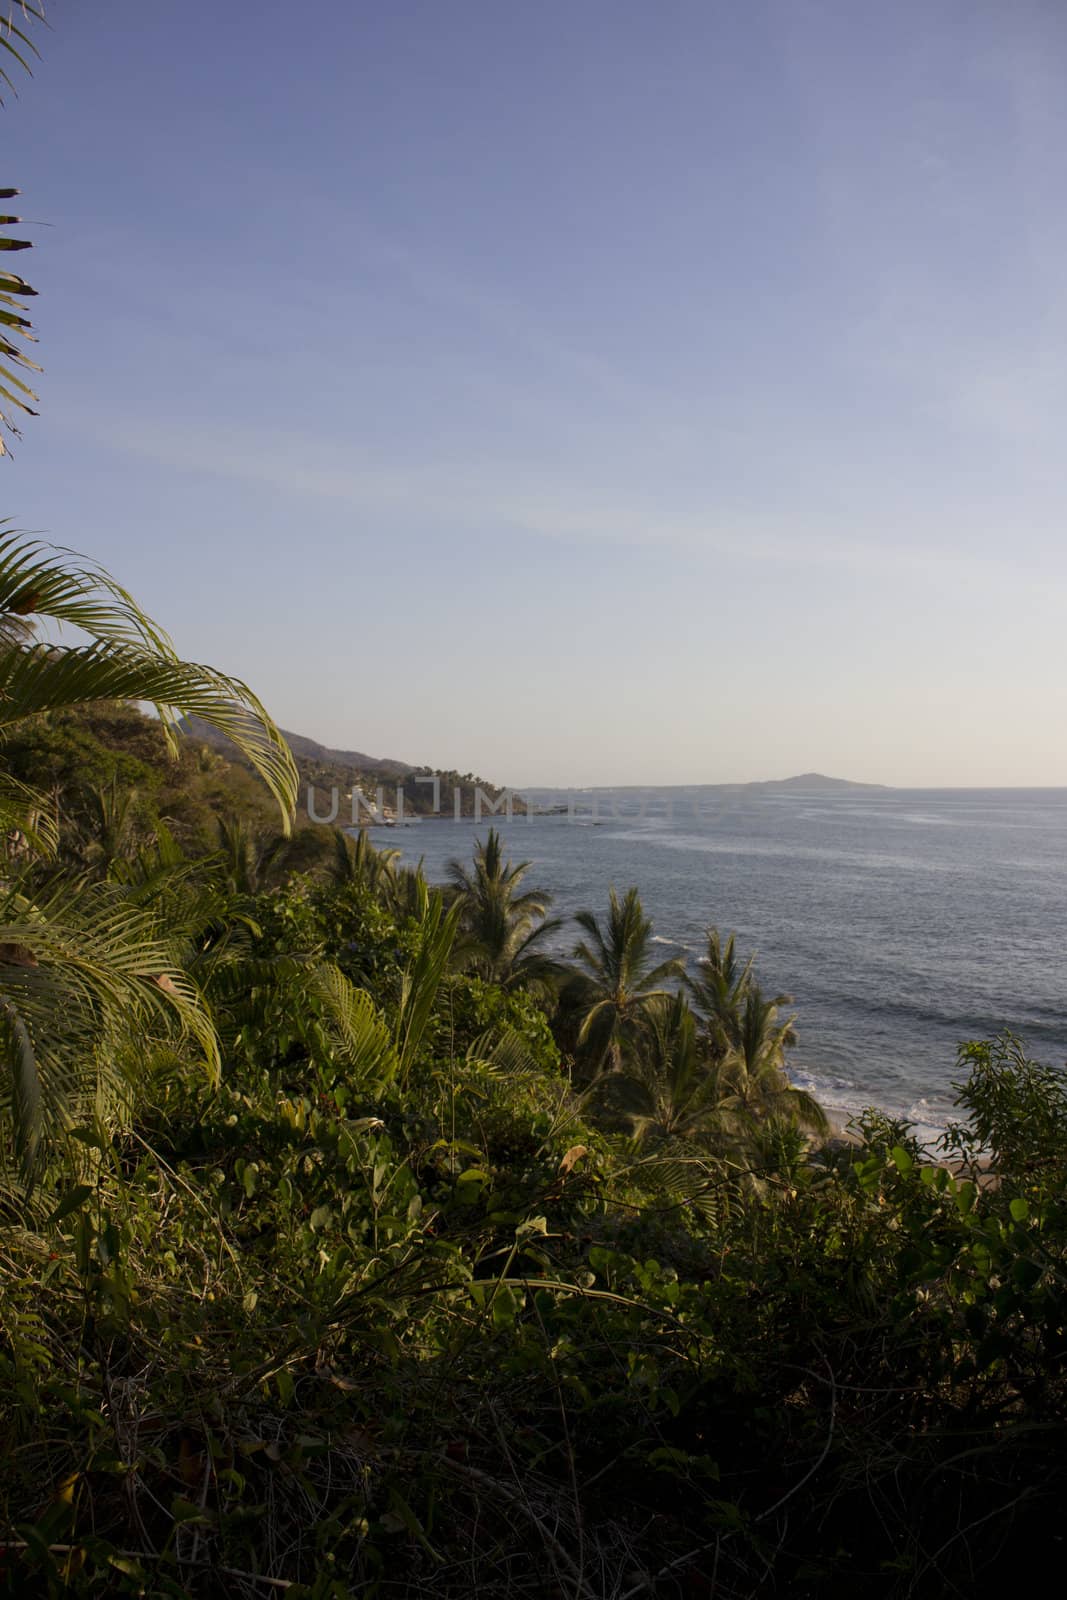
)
(112, 829)
(746, 1041)
(669, 1088)
(503, 924)
(618, 982)
(752, 1079)
(244, 859)
(719, 992)
(358, 862)
(401, 890)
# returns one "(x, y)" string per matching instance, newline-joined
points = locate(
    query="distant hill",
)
(803, 783)
(811, 782)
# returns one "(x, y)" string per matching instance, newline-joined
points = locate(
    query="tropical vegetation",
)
(506, 926)
(358, 1282)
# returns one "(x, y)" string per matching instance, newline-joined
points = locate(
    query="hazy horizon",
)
(621, 394)
(536, 788)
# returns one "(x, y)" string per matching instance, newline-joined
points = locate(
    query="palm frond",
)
(15, 43)
(131, 658)
(17, 398)
(505, 1055)
(422, 979)
(77, 966)
(16, 330)
(367, 1043)
(26, 821)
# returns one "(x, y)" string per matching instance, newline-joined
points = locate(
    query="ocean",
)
(903, 922)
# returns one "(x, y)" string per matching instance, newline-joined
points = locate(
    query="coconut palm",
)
(669, 1088)
(504, 925)
(753, 1083)
(719, 992)
(617, 982)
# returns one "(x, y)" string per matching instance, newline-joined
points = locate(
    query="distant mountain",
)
(811, 782)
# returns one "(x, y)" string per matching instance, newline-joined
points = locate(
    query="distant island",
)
(810, 782)
(802, 783)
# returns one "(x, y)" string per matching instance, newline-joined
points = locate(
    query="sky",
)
(611, 392)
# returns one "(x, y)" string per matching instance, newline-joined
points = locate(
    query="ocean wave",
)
(845, 1102)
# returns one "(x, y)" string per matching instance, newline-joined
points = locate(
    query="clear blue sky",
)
(574, 392)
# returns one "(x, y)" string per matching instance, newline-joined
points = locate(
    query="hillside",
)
(382, 767)
(324, 768)
(73, 754)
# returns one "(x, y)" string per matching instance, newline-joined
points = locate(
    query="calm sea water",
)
(902, 922)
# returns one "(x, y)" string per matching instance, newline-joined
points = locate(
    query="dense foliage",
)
(400, 1301)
